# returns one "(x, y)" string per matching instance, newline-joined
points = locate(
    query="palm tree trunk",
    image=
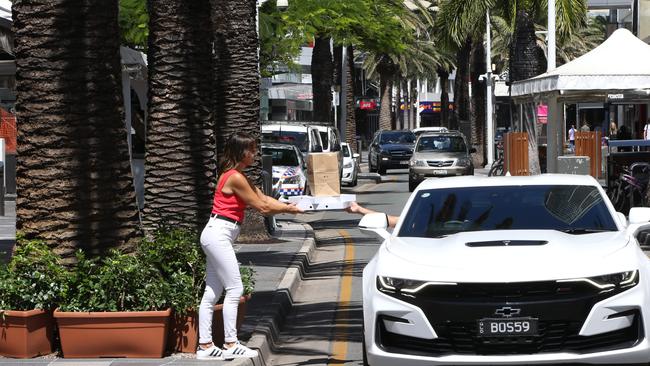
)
(236, 90)
(400, 112)
(385, 95)
(350, 119)
(412, 99)
(461, 86)
(479, 104)
(524, 64)
(75, 187)
(322, 70)
(443, 75)
(180, 160)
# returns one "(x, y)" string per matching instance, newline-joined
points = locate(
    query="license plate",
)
(404, 162)
(440, 172)
(511, 327)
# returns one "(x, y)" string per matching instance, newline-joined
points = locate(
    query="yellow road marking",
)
(340, 347)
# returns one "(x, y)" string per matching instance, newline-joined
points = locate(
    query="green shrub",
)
(117, 282)
(33, 279)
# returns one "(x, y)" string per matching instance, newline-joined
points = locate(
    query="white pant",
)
(222, 272)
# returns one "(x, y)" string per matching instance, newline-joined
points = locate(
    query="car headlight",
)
(463, 162)
(348, 164)
(395, 285)
(621, 280)
(418, 162)
(294, 179)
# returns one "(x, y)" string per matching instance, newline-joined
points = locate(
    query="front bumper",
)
(582, 329)
(348, 175)
(394, 161)
(419, 174)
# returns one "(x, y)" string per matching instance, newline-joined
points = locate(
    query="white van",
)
(331, 142)
(418, 131)
(306, 138)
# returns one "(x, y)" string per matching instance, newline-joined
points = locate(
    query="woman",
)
(233, 194)
(613, 130)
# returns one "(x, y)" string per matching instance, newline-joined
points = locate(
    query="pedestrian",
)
(613, 130)
(585, 127)
(358, 209)
(572, 138)
(233, 194)
(646, 130)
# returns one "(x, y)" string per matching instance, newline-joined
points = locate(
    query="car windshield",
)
(281, 157)
(569, 208)
(397, 137)
(298, 139)
(441, 143)
(323, 138)
(346, 151)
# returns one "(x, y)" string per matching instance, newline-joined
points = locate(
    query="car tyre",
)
(363, 348)
(307, 191)
(371, 169)
(354, 182)
(412, 185)
(381, 169)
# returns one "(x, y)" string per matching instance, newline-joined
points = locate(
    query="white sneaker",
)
(238, 350)
(212, 353)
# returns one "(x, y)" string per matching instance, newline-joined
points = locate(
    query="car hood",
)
(280, 171)
(432, 155)
(563, 256)
(392, 147)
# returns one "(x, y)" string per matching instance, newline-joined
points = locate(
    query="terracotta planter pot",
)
(137, 334)
(184, 331)
(26, 334)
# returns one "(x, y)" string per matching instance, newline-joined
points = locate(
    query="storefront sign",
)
(367, 104)
(542, 113)
(432, 107)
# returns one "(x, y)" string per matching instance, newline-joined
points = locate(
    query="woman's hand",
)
(355, 208)
(293, 209)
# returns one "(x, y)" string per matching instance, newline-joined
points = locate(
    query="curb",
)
(268, 329)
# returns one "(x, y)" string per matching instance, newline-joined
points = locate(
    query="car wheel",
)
(363, 348)
(412, 185)
(354, 182)
(371, 169)
(381, 169)
(307, 191)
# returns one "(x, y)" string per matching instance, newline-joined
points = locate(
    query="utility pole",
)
(551, 36)
(488, 84)
(344, 93)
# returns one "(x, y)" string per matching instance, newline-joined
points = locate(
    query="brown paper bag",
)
(323, 174)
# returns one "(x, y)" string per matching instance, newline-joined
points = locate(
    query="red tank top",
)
(229, 205)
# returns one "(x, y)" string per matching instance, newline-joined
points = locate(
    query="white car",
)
(350, 166)
(508, 270)
(288, 170)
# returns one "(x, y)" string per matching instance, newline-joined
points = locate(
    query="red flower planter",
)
(26, 334)
(137, 334)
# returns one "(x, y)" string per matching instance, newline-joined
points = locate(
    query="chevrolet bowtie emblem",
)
(507, 312)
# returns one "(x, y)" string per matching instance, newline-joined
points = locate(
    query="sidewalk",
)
(277, 276)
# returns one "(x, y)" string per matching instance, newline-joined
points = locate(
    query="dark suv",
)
(390, 150)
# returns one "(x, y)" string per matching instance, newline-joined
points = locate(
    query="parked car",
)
(350, 166)
(439, 155)
(305, 137)
(390, 150)
(289, 177)
(508, 270)
(331, 142)
(420, 130)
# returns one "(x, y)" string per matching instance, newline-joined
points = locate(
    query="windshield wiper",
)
(582, 230)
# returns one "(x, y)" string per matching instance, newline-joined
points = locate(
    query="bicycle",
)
(497, 168)
(629, 190)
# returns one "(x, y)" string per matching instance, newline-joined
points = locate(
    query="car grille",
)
(400, 153)
(554, 336)
(516, 291)
(440, 163)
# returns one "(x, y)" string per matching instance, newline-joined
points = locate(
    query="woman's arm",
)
(356, 208)
(256, 199)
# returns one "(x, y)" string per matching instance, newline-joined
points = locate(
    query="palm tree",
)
(322, 69)
(75, 188)
(180, 159)
(350, 118)
(236, 90)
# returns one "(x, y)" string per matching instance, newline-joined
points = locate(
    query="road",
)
(324, 327)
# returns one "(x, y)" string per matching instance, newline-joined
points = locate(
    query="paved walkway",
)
(7, 230)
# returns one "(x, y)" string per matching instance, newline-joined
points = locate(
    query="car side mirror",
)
(622, 219)
(355, 156)
(375, 222)
(318, 149)
(639, 215)
(472, 150)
